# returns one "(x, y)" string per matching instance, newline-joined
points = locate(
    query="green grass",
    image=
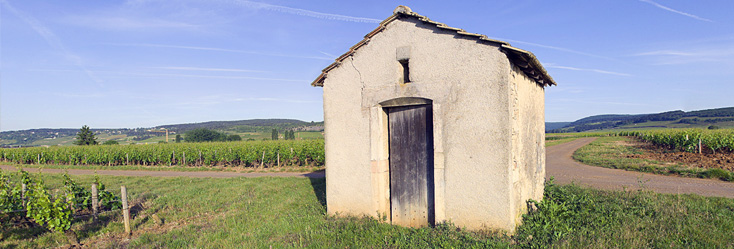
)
(290, 212)
(171, 168)
(559, 140)
(608, 152)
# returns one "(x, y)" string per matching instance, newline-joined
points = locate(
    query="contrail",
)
(555, 48)
(676, 11)
(587, 69)
(218, 49)
(51, 39)
(284, 9)
(303, 12)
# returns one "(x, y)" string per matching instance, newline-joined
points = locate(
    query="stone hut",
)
(426, 123)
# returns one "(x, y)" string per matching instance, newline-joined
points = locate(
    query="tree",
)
(274, 134)
(85, 137)
(110, 142)
(234, 137)
(290, 135)
(178, 138)
(204, 135)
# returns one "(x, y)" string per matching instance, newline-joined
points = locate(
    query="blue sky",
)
(142, 63)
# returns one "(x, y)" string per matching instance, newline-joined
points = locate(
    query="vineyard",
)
(690, 140)
(27, 200)
(244, 154)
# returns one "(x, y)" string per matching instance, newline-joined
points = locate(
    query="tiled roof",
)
(525, 60)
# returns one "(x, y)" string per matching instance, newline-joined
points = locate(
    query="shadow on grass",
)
(319, 189)
(24, 230)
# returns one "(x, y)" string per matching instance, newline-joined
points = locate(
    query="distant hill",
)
(721, 117)
(38, 137)
(555, 125)
(239, 124)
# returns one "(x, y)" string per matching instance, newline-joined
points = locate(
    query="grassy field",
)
(609, 152)
(559, 138)
(290, 212)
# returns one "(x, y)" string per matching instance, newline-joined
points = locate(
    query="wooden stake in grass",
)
(23, 189)
(262, 160)
(125, 211)
(95, 203)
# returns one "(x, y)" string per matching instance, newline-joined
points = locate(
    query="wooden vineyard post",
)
(278, 159)
(127, 159)
(23, 189)
(699, 146)
(95, 200)
(125, 211)
(184, 158)
(262, 160)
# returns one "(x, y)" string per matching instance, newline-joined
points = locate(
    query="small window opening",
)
(406, 70)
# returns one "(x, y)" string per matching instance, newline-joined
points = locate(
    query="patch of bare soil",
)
(706, 160)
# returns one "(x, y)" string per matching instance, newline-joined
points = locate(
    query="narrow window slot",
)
(406, 70)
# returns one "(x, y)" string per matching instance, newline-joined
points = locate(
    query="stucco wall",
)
(528, 133)
(348, 186)
(469, 84)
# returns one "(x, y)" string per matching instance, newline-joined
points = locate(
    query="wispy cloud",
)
(211, 69)
(303, 12)
(276, 100)
(598, 102)
(666, 52)
(720, 54)
(79, 96)
(279, 8)
(328, 54)
(555, 48)
(676, 11)
(126, 73)
(215, 77)
(51, 39)
(229, 99)
(220, 50)
(550, 65)
(127, 23)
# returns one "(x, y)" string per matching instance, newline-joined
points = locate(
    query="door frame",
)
(380, 168)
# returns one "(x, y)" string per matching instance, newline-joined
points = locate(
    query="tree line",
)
(85, 136)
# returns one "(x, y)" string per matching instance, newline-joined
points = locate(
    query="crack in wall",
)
(351, 60)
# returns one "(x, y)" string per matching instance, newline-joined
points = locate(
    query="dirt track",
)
(558, 164)
(565, 170)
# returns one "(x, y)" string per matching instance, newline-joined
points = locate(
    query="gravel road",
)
(564, 169)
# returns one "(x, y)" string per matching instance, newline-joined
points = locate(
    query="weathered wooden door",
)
(411, 165)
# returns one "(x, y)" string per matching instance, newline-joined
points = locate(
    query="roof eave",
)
(532, 69)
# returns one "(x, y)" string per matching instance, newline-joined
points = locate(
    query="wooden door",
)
(411, 165)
